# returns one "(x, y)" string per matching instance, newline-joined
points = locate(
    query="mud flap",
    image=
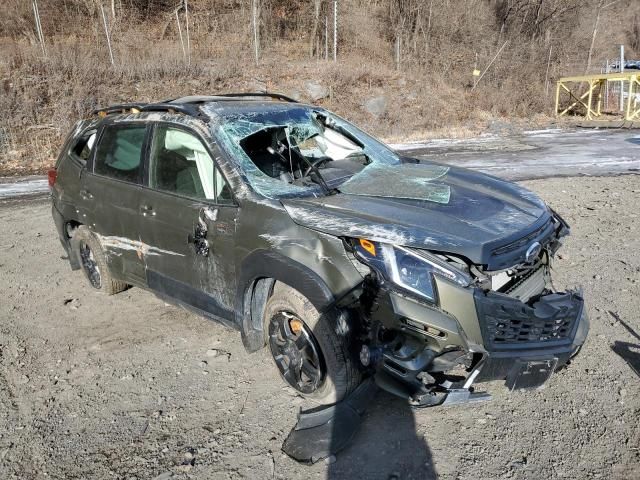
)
(323, 432)
(74, 253)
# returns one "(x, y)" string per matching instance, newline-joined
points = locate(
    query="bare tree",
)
(317, 4)
(594, 32)
(255, 23)
(599, 7)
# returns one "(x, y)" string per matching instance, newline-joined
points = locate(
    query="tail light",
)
(52, 174)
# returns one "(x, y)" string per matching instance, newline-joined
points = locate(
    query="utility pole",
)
(335, 30)
(622, 81)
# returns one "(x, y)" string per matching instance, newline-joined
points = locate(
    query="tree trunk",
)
(255, 18)
(314, 29)
(593, 36)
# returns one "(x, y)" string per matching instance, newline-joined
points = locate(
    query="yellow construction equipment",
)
(589, 102)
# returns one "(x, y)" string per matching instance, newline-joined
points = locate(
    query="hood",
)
(487, 220)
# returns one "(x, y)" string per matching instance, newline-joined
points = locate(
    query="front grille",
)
(508, 323)
(505, 329)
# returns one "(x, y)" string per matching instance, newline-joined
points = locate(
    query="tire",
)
(339, 372)
(93, 263)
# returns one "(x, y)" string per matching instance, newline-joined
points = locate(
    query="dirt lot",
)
(126, 387)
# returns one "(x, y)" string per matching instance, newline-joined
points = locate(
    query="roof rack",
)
(185, 108)
(120, 108)
(185, 105)
(277, 96)
(198, 99)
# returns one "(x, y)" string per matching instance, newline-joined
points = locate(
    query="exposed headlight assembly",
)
(411, 270)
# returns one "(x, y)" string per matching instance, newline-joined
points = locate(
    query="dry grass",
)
(429, 96)
(43, 97)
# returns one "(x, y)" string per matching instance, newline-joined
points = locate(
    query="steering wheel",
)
(314, 165)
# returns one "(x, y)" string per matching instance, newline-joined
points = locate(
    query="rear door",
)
(110, 195)
(188, 223)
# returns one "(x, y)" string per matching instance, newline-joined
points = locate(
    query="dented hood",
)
(459, 211)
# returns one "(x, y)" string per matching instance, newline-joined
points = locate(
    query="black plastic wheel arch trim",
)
(271, 265)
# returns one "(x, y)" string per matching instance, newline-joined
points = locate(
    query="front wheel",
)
(312, 357)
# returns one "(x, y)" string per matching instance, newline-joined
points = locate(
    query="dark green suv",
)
(349, 261)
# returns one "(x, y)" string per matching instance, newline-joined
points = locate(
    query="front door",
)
(188, 223)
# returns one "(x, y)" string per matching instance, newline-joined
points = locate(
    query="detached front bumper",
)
(523, 344)
(526, 344)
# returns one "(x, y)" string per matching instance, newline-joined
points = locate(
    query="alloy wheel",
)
(296, 352)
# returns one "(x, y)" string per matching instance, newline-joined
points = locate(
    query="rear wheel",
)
(94, 264)
(309, 353)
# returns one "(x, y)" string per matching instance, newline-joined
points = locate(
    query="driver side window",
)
(179, 163)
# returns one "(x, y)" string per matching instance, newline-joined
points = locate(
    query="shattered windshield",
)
(300, 151)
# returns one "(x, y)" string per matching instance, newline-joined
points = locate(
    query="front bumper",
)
(532, 368)
(512, 341)
(526, 344)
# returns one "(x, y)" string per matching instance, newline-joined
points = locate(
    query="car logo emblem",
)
(532, 252)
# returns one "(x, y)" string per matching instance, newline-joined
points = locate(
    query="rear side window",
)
(84, 146)
(119, 153)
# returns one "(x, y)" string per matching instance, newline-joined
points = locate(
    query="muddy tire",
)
(312, 357)
(93, 263)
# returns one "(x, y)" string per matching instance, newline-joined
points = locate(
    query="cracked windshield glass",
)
(297, 152)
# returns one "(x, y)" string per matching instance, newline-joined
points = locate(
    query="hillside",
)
(403, 68)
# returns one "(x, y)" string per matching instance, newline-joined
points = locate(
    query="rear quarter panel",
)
(65, 194)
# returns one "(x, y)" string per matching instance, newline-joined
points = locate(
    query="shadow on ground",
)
(629, 352)
(368, 433)
(387, 445)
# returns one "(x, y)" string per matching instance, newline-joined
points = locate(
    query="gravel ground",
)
(126, 387)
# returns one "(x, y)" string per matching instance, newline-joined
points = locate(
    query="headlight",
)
(410, 270)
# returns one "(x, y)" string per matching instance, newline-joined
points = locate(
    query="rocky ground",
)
(126, 387)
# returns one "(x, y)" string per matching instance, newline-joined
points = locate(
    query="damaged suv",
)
(310, 237)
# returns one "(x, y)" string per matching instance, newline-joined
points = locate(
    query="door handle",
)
(86, 194)
(147, 210)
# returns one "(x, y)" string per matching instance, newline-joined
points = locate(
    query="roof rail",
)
(277, 96)
(190, 108)
(187, 109)
(120, 108)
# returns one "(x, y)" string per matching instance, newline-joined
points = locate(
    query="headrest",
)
(177, 140)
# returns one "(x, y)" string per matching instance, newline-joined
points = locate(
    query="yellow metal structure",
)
(591, 99)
